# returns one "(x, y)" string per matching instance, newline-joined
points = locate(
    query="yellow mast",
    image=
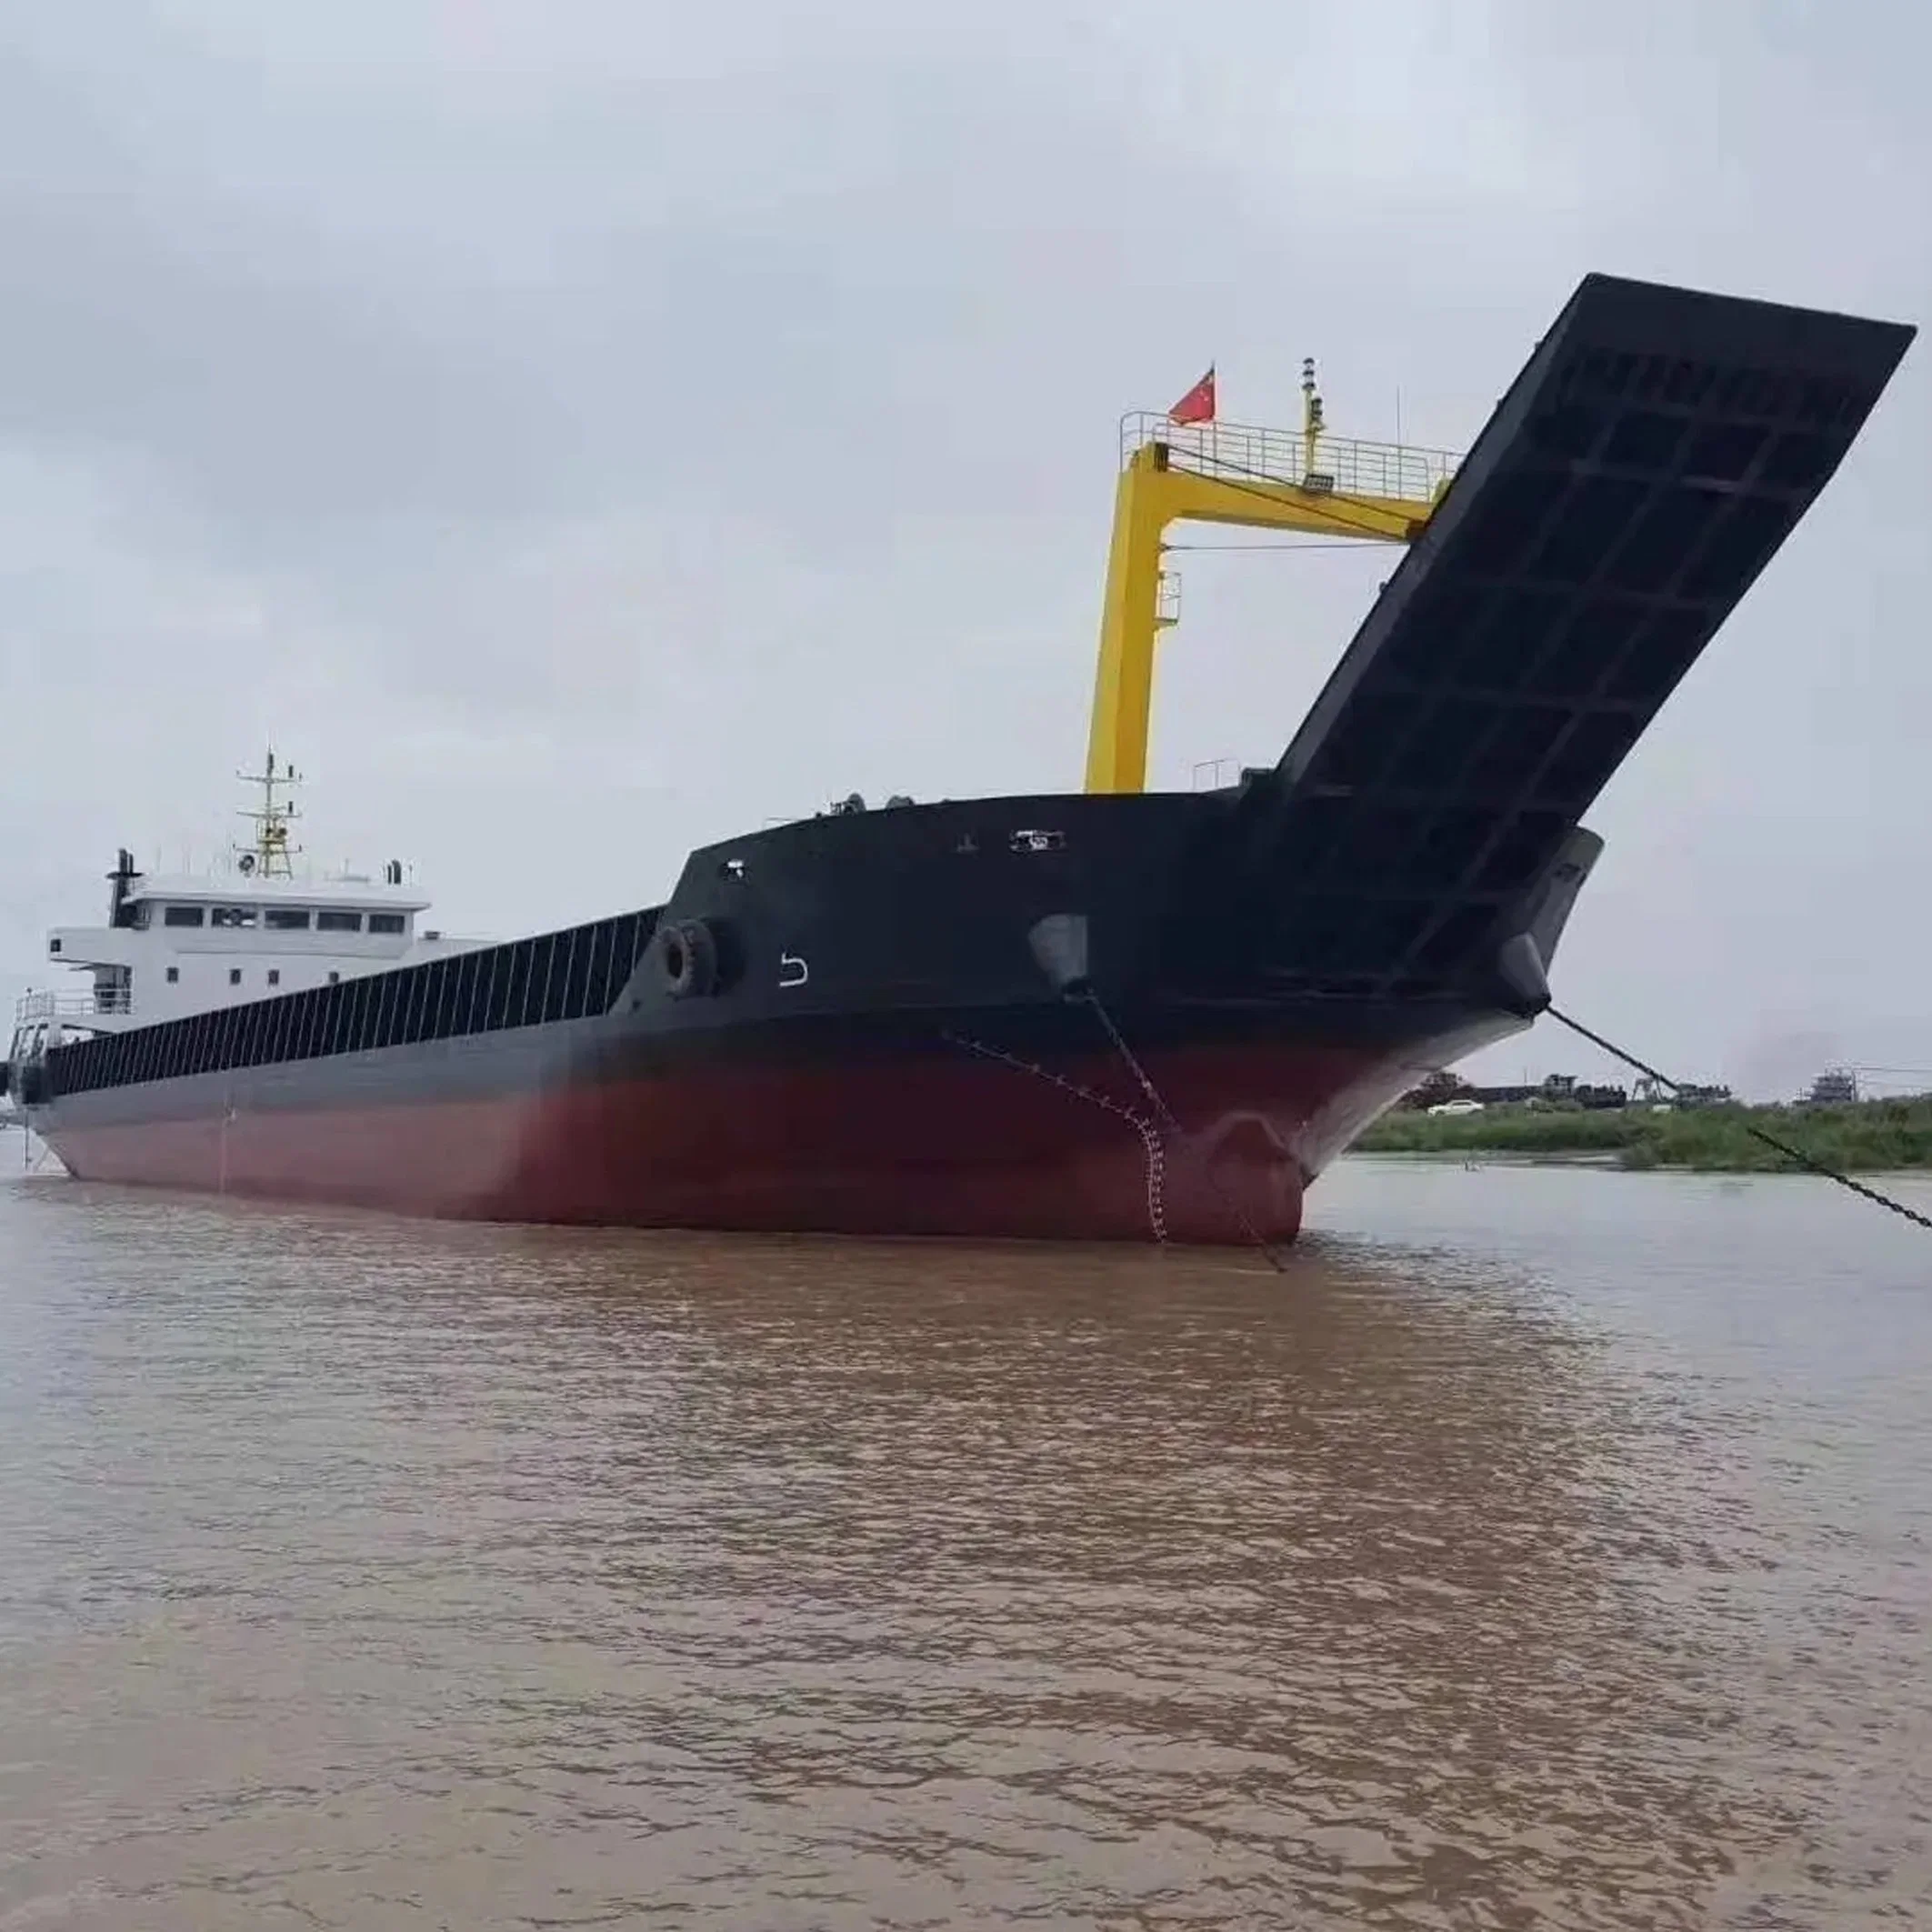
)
(1229, 472)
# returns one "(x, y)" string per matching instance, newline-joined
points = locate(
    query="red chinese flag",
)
(1198, 404)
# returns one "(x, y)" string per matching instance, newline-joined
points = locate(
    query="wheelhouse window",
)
(286, 918)
(338, 922)
(184, 915)
(386, 922)
(231, 916)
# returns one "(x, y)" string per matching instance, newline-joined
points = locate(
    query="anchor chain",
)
(1152, 1132)
(1167, 1118)
(1162, 1110)
(1148, 1130)
(1795, 1155)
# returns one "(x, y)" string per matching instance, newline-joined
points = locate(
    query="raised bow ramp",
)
(1655, 452)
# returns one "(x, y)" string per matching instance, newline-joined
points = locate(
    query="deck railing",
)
(77, 1009)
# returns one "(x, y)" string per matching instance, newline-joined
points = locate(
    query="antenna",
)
(1311, 415)
(270, 853)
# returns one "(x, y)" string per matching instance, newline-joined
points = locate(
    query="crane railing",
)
(1304, 481)
(1347, 467)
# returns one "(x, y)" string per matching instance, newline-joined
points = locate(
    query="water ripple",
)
(1537, 1550)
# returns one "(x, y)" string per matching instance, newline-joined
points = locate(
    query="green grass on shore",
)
(1868, 1136)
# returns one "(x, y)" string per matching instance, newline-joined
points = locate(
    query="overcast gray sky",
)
(575, 432)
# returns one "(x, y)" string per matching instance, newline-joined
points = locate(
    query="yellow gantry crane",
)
(1229, 472)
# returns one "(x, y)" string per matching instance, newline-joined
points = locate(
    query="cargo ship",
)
(1104, 1014)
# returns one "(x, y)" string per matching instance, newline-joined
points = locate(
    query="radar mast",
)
(268, 856)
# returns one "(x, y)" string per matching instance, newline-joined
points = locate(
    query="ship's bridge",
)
(187, 943)
(183, 943)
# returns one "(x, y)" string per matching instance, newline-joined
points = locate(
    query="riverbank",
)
(1868, 1136)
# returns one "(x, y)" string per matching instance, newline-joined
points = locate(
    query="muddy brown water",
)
(1542, 1547)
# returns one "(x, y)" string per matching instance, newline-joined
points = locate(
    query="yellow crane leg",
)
(1151, 495)
(1117, 749)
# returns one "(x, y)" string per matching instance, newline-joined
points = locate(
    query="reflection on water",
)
(1538, 1549)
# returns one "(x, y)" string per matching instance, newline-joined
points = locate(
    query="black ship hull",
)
(1125, 1016)
(1011, 1017)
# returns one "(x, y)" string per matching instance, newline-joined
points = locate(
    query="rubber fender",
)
(687, 958)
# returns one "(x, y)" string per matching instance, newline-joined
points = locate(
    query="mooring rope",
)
(1757, 1133)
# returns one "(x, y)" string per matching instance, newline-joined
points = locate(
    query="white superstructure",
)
(177, 945)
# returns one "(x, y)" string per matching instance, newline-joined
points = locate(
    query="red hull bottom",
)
(934, 1146)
